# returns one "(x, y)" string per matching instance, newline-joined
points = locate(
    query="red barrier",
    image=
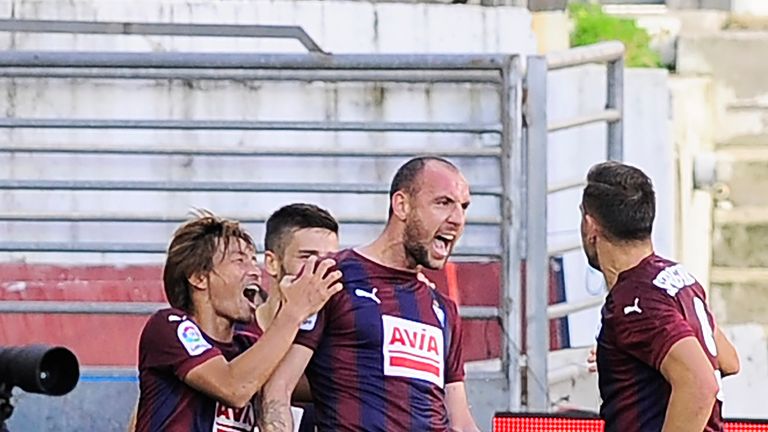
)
(527, 422)
(112, 340)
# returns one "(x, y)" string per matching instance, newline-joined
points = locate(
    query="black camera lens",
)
(39, 369)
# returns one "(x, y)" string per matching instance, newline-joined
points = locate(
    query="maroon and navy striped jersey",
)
(171, 345)
(384, 349)
(652, 306)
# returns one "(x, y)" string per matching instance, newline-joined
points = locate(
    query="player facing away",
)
(196, 373)
(660, 354)
(385, 353)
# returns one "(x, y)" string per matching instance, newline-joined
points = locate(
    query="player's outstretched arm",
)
(694, 386)
(727, 357)
(276, 409)
(459, 416)
(234, 383)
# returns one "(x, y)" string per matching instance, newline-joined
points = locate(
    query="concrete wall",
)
(338, 27)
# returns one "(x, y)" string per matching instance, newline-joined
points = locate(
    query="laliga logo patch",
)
(413, 350)
(191, 338)
(308, 323)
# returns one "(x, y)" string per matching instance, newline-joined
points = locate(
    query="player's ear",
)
(199, 281)
(592, 228)
(271, 264)
(400, 205)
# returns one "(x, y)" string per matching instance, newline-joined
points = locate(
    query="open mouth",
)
(442, 244)
(253, 294)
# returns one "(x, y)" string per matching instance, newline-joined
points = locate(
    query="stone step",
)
(741, 84)
(744, 171)
(723, 55)
(740, 237)
(739, 295)
(744, 143)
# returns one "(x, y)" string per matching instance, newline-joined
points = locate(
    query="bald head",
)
(409, 175)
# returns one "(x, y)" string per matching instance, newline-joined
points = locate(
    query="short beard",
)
(593, 260)
(416, 252)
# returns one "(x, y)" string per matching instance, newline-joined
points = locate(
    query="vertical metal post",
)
(616, 101)
(511, 227)
(536, 257)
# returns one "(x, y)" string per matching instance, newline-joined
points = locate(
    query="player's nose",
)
(254, 274)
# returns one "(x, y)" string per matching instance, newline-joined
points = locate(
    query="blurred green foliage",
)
(592, 25)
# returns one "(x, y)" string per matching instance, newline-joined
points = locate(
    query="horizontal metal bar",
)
(320, 126)
(259, 151)
(156, 248)
(104, 218)
(396, 76)
(479, 312)
(93, 59)
(144, 308)
(161, 29)
(597, 53)
(610, 115)
(563, 247)
(566, 373)
(212, 186)
(84, 247)
(80, 307)
(564, 309)
(558, 187)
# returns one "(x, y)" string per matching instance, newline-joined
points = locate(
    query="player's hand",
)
(592, 360)
(305, 294)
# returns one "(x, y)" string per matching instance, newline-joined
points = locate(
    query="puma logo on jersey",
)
(673, 279)
(634, 308)
(369, 295)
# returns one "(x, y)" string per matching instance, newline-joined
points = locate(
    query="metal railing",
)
(503, 73)
(537, 251)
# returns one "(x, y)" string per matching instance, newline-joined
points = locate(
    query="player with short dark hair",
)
(196, 372)
(386, 352)
(660, 354)
(294, 233)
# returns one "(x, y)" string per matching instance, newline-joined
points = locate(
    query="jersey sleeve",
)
(648, 324)
(454, 367)
(177, 345)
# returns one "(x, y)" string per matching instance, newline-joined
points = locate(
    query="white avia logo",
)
(369, 295)
(234, 419)
(634, 308)
(673, 279)
(413, 350)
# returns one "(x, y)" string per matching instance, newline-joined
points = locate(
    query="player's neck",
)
(388, 250)
(617, 258)
(219, 328)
